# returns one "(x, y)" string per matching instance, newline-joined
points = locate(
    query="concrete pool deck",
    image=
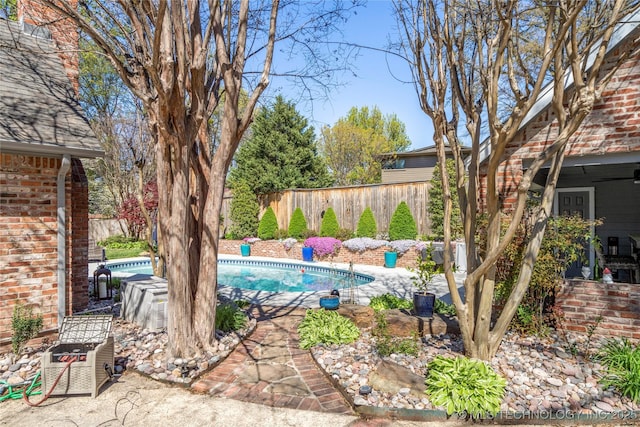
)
(266, 380)
(397, 281)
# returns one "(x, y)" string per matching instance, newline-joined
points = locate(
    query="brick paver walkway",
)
(269, 368)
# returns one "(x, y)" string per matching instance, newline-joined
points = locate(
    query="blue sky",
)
(375, 84)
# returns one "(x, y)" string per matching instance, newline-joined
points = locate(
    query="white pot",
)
(586, 272)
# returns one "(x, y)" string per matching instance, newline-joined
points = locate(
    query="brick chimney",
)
(41, 21)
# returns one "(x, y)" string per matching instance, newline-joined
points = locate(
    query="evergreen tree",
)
(268, 225)
(244, 212)
(402, 225)
(436, 203)
(329, 226)
(298, 224)
(280, 153)
(367, 226)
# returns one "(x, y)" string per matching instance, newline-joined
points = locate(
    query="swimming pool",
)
(267, 276)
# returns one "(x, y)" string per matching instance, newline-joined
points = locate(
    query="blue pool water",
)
(267, 276)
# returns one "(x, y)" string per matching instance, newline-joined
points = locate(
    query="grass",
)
(118, 253)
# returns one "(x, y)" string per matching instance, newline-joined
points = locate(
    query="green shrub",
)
(307, 232)
(329, 226)
(388, 302)
(120, 241)
(442, 307)
(436, 202)
(564, 243)
(25, 326)
(230, 318)
(280, 233)
(268, 227)
(426, 270)
(623, 367)
(297, 224)
(344, 234)
(465, 386)
(244, 211)
(402, 225)
(367, 226)
(135, 251)
(241, 303)
(326, 327)
(387, 345)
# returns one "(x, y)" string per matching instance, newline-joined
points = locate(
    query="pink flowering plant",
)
(251, 240)
(323, 246)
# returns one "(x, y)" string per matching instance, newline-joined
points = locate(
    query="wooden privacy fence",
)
(348, 204)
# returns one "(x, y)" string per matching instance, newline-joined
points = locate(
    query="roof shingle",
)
(39, 112)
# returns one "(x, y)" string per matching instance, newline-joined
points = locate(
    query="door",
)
(576, 201)
(572, 203)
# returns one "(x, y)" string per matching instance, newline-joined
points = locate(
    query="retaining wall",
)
(619, 305)
(275, 249)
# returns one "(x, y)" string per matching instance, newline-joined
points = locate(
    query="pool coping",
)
(397, 281)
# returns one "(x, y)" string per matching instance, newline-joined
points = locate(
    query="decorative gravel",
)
(541, 375)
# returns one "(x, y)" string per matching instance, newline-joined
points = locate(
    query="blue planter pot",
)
(423, 304)
(390, 259)
(245, 249)
(307, 254)
(330, 302)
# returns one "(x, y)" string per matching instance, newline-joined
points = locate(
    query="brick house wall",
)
(29, 241)
(612, 127)
(77, 239)
(618, 305)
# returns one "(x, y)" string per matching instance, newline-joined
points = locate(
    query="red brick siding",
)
(618, 304)
(78, 240)
(612, 127)
(28, 237)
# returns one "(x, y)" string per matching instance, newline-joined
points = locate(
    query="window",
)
(393, 164)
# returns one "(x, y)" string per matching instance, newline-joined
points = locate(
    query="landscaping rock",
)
(401, 323)
(390, 377)
(361, 315)
(554, 381)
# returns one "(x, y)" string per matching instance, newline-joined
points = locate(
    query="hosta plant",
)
(464, 386)
(388, 302)
(442, 307)
(326, 327)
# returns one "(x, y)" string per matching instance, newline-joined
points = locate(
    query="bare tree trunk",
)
(465, 57)
(180, 58)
